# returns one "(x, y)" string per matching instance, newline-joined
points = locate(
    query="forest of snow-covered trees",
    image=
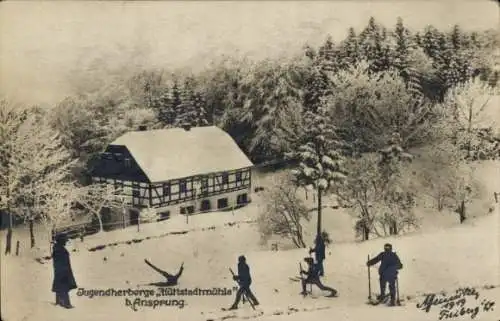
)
(356, 106)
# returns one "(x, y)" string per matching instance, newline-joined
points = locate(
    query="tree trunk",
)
(101, 225)
(319, 211)
(366, 232)
(394, 228)
(32, 234)
(8, 242)
(469, 130)
(440, 203)
(300, 238)
(462, 212)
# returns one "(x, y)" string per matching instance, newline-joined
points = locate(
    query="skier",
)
(171, 278)
(64, 280)
(319, 253)
(244, 280)
(388, 271)
(312, 277)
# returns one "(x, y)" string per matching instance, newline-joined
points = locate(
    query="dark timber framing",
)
(117, 167)
(172, 192)
(180, 190)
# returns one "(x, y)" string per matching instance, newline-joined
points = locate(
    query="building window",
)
(222, 203)
(205, 206)
(107, 156)
(187, 210)
(225, 178)
(164, 215)
(242, 199)
(119, 186)
(128, 162)
(166, 189)
(238, 176)
(204, 186)
(183, 187)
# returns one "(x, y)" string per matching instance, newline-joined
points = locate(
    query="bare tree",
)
(369, 107)
(11, 117)
(361, 192)
(58, 206)
(465, 105)
(36, 162)
(284, 213)
(382, 204)
(97, 197)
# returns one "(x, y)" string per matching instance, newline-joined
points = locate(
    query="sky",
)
(48, 50)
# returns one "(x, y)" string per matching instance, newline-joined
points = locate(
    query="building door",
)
(134, 217)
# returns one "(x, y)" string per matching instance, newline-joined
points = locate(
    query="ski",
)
(384, 301)
(295, 279)
(227, 309)
(377, 302)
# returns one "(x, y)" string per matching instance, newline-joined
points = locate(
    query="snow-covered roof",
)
(166, 154)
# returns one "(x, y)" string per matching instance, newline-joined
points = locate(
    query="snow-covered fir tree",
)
(349, 50)
(320, 157)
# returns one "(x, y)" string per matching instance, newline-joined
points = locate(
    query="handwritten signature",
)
(456, 305)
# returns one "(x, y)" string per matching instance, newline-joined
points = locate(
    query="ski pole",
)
(369, 281)
(310, 285)
(243, 299)
(397, 292)
(243, 294)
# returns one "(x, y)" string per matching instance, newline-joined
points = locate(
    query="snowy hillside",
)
(461, 256)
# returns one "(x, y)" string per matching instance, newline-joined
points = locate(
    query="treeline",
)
(325, 107)
(256, 101)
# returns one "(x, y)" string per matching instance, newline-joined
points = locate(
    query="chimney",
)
(143, 128)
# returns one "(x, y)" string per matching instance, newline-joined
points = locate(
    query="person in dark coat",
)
(319, 253)
(64, 281)
(312, 277)
(172, 279)
(244, 280)
(390, 264)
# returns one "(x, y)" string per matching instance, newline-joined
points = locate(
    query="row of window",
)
(206, 206)
(118, 157)
(183, 184)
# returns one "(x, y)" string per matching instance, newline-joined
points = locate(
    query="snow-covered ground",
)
(435, 260)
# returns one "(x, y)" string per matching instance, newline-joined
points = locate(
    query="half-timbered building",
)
(176, 171)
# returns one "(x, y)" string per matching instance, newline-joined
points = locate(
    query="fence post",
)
(17, 248)
(496, 197)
